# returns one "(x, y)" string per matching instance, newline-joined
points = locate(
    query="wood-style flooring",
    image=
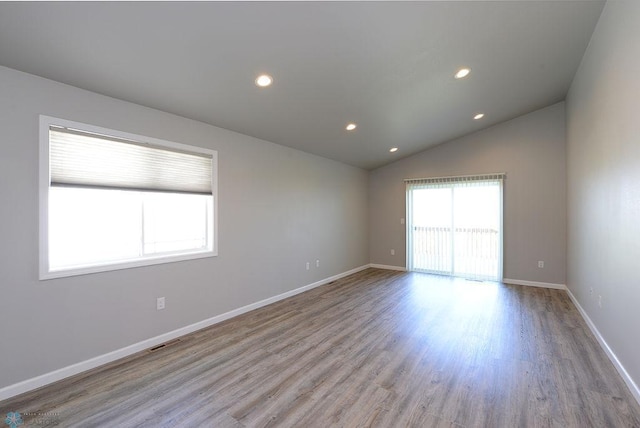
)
(378, 348)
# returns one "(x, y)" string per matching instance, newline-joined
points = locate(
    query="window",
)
(111, 200)
(454, 226)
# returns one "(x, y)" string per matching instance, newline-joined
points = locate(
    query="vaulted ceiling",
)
(386, 66)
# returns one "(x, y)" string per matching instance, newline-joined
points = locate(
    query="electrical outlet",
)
(401, 221)
(540, 264)
(393, 252)
(600, 301)
(308, 265)
(160, 303)
(591, 291)
(317, 263)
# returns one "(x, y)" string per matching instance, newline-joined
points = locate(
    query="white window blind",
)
(427, 182)
(83, 159)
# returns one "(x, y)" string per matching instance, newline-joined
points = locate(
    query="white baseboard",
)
(388, 267)
(535, 284)
(603, 344)
(56, 375)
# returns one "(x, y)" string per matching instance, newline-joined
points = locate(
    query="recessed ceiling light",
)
(462, 73)
(264, 80)
(393, 149)
(351, 126)
(478, 116)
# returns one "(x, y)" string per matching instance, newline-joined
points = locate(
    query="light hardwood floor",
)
(378, 348)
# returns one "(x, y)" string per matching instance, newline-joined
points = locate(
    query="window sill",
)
(119, 265)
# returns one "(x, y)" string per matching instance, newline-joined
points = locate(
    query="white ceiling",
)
(388, 66)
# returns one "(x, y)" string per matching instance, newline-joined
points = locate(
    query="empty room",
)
(317, 214)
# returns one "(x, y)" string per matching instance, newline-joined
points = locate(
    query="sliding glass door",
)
(454, 226)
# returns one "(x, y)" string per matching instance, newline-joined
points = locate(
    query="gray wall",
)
(531, 150)
(603, 168)
(278, 209)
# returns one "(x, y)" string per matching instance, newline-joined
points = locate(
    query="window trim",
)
(43, 195)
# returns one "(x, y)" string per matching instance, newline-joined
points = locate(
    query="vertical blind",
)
(83, 159)
(454, 225)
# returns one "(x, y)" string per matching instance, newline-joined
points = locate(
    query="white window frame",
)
(148, 260)
(450, 183)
